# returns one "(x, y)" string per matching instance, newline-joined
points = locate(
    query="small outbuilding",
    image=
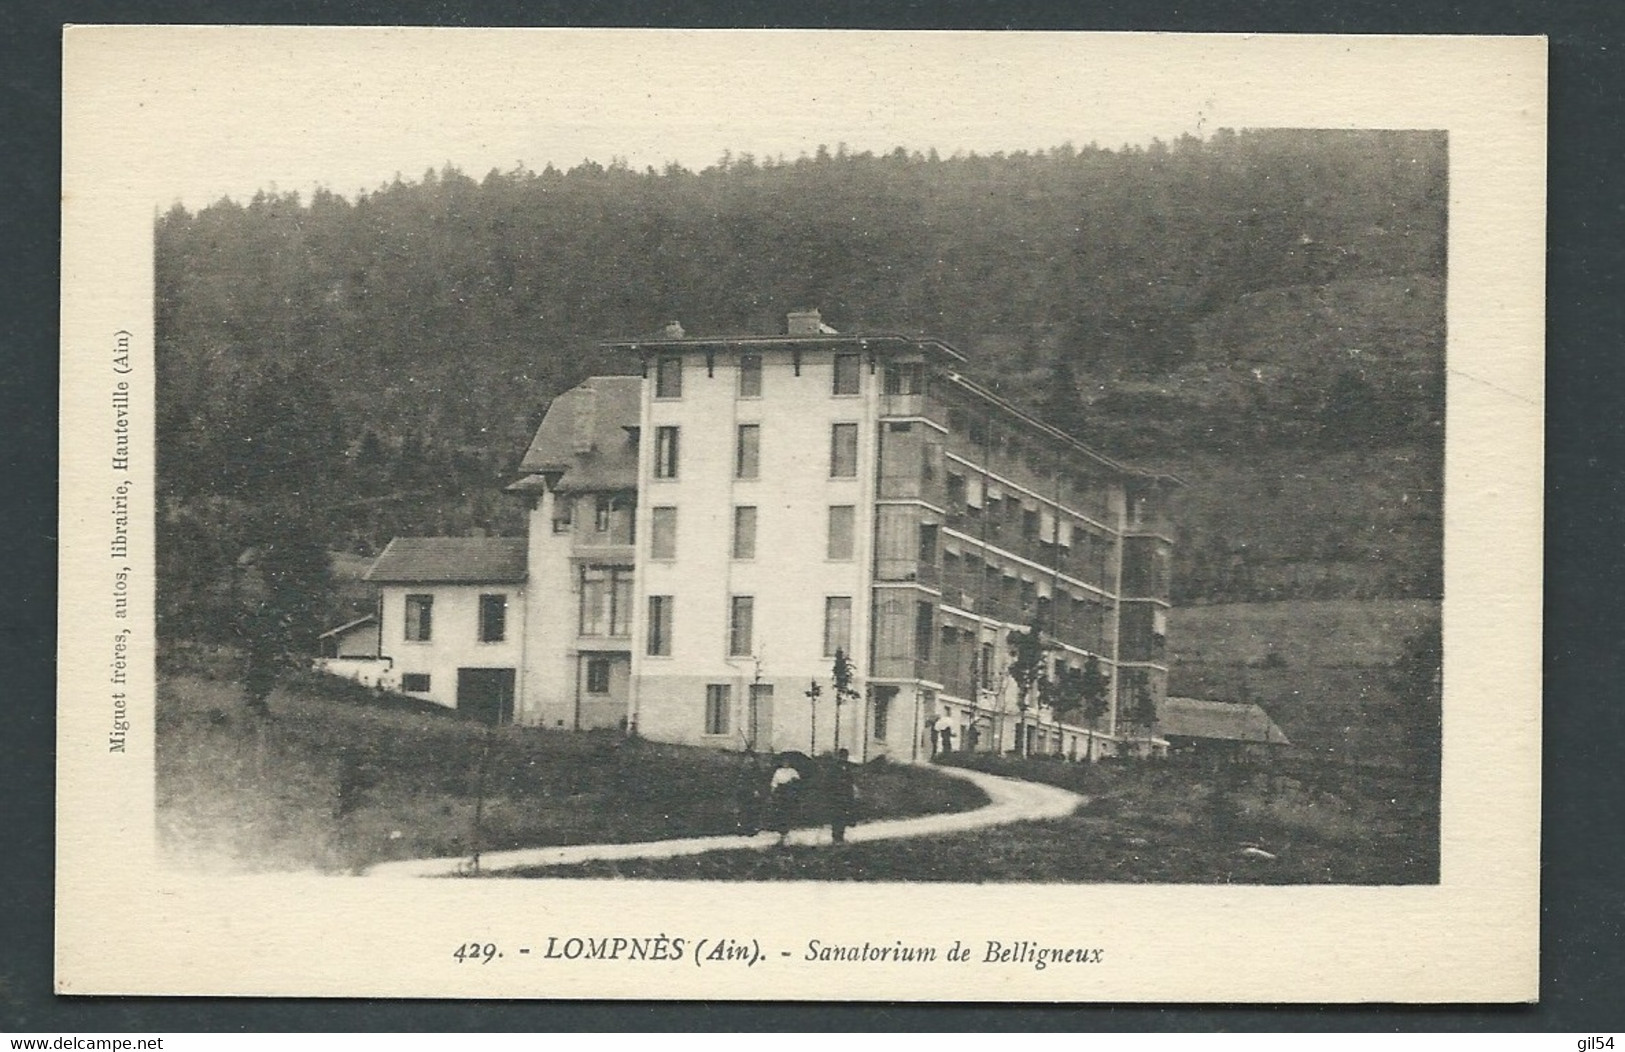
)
(355, 640)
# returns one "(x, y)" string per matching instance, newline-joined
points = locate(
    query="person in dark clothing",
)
(783, 788)
(842, 796)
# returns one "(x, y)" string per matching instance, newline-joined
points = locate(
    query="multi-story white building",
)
(705, 536)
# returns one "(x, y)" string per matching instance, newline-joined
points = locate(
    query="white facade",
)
(454, 646)
(789, 577)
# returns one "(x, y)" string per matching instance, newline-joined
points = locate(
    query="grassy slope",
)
(1145, 823)
(233, 793)
(1331, 633)
(1326, 819)
(1322, 669)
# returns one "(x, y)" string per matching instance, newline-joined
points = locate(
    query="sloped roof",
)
(1226, 720)
(450, 560)
(588, 438)
(366, 619)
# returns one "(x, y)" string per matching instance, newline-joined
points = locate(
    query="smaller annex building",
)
(451, 620)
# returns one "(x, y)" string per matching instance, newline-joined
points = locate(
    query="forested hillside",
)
(1262, 312)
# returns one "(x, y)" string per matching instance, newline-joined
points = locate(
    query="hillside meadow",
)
(338, 779)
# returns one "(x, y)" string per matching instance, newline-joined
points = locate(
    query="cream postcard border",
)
(127, 926)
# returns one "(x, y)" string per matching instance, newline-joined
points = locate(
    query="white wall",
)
(548, 696)
(790, 576)
(454, 637)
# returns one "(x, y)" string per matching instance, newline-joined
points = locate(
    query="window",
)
(930, 457)
(419, 618)
(663, 533)
(669, 376)
(837, 625)
(1029, 523)
(718, 702)
(741, 615)
(606, 601)
(750, 376)
(840, 531)
(665, 452)
(620, 603)
(603, 510)
(598, 675)
(985, 666)
(561, 514)
(748, 452)
(847, 374)
(660, 611)
(956, 488)
(744, 533)
(594, 601)
(415, 682)
(928, 543)
(493, 618)
(925, 629)
(883, 697)
(904, 378)
(843, 451)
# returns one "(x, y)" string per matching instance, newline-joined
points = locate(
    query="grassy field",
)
(334, 783)
(1144, 823)
(1353, 801)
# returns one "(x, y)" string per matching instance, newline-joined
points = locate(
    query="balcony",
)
(907, 570)
(902, 405)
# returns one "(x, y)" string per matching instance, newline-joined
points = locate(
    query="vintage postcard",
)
(800, 515)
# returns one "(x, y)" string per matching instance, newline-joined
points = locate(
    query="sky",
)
(230, 111)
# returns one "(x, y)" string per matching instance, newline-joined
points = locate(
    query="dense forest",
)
(1262, 312)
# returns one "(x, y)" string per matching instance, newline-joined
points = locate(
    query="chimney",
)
(804, 323)
(586, 419)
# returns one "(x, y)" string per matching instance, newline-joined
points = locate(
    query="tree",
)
(285, 602)
(1142, 712)
(1094, 686)
(843, 673)
(1062, 407)
(1027, 661)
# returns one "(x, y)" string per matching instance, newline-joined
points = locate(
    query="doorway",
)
(486, 694)
(761, 717)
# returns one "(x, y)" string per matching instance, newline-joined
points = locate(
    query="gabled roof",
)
(1225, 720)
(588, 438)
(450, 560)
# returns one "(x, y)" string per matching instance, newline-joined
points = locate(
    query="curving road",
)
(1009, 801)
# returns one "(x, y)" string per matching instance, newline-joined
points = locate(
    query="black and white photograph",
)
(973, 480)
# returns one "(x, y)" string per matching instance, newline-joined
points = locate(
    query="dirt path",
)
(1009, 801)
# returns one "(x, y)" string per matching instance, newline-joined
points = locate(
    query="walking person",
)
(781, 795)
(841, 796)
